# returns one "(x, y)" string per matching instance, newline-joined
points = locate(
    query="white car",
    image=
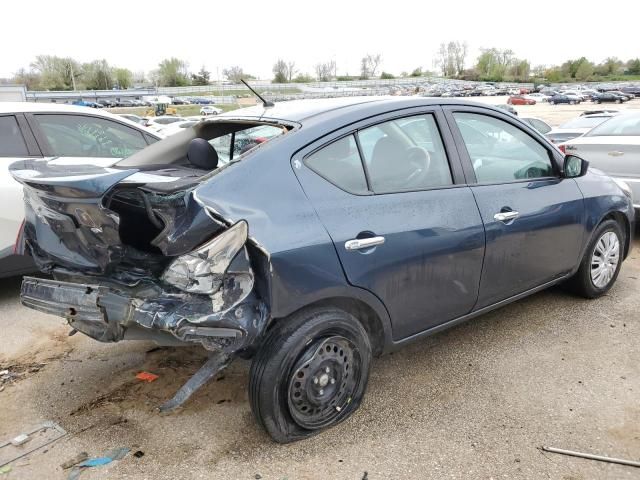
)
(613, 147)
(538, 97)
(64, 134)
(210, 110)
(158, 123)
(576, 127)
(176, 127)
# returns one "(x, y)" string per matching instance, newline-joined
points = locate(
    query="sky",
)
(254, 34)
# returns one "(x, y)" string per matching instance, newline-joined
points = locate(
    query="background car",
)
(540, 125)
(175, 127)
(520, 100)
(507, 108)
(613, 147)
(210, 110)
(157, 123)
(609, 97)
(576, 127)
(133, 118)
(561, 98)
(390, 218)
(66, 133)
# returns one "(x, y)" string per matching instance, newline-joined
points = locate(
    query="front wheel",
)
(601, 262)
(310, 373)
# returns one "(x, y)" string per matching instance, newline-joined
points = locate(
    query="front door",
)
(532, 216)
(403, 223)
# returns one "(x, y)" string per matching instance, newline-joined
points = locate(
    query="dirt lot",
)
(475, 402)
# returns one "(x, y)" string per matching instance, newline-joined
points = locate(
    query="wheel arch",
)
(623, 221)
(375, 324)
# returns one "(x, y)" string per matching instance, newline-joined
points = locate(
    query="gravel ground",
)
(475, 402)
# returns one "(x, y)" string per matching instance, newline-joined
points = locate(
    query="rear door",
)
(533, 217)
(391, 194)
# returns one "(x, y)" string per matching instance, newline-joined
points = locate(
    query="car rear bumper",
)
(109, 314)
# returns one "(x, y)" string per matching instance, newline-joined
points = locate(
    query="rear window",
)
(623, 125)
(11, 140)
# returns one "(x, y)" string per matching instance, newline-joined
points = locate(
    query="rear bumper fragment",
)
(108, 314)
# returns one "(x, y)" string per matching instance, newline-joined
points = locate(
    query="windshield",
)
(584, 122)
(623, 125)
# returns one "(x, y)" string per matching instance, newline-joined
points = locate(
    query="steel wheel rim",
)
(605, 259)
(323, 382)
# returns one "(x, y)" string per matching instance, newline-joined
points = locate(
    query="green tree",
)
(28, 78)
(417, 72)
(584, 71)
(173, 72)
(97, 75)
(57, 73)
(386, 76)
(610, 66)
(123, 77)
(280, 72)
(235, 74)
(201, 78)
(633, 66)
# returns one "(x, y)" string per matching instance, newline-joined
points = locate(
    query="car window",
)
(340, 164)
(11, 140)
(625, 125)
(405, 154)
(88, 136)
(501, 152)
(244, 141)
(540, 126)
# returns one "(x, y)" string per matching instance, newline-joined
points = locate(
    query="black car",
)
(107, 103)
(632, 91)
(559, 98)
(125, 103)
(609, 97)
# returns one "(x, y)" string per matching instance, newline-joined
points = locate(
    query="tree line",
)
(50, 72)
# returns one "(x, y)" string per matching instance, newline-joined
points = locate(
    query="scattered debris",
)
(365, 476)
(5, 469)
(81, 457)
(147, 377)
(46, 434)
(111, 456)
(590, 456)
(138, 454)
(257, 476)
(20, 440)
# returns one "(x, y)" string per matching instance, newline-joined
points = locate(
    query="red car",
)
(520, 100)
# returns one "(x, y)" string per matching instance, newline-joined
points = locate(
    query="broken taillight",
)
(202, 270)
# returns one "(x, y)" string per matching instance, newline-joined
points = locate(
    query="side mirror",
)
(575, 166)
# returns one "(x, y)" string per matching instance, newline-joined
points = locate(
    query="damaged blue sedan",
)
(314, 234)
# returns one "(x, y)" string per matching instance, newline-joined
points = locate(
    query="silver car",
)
(613, 147)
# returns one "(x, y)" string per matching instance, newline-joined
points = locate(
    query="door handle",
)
(506, 216)
(360, 243)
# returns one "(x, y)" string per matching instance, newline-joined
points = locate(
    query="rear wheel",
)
(601, 262)
(310, 373)
(572, 102)
(618, 100)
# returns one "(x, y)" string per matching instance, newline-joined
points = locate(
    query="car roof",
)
(301, 111)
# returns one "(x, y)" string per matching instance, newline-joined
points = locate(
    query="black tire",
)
(572, 102)
(618, 100)
(581, 283)
(291, 358)
(552, 102)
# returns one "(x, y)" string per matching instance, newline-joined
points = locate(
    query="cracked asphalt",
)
(475, 402)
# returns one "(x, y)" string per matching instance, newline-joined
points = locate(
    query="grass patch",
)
(183, 110)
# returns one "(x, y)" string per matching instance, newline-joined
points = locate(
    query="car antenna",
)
(265, 103)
